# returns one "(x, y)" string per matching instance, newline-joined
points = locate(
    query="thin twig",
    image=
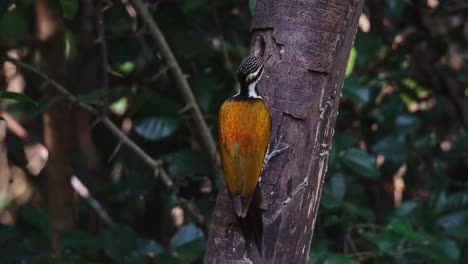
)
(83, 191)
(14, 126)
(201, 128)
(159, 73)
(104, 58)
(70, 97)
(156, 165)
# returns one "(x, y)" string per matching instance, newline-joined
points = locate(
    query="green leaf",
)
(39, 243)
(158, 118)
(126, 67)
(149, 248)
(19, 97)
(82, 241)
(119, 242)
(392, 148)
(344, 140)
(406, 209)
(442, 250)
(44, 260)
(24, 3)
(425, 142)
(167, 259)
(71, 46)
(407, 123)
(7, 233)
(35, 217)
(451, 210)
(401, 228)
(397, 6)
(328, 202)
(185, 234)
(120, 106)
(4, 5)
(351, 61)
(318, 248)
(360, 162)
(158, 106)
(188, 242)
(450, 249)
(191, 251)
(69, 8)
(134, 184)
(337, 183)
(13, 24)
(204, 88)
(252, 6)
(194, 5)
(187, 163)
(458, 232)
(383, 242)
(360, 211)
(41, 106)
(155, 128)
(355, 91)
(368, 46)
(116, 20)
(453, 219)
(123, 51)
(338, 258)
(461, 142)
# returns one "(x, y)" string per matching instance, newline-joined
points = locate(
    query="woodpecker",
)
(244, 133)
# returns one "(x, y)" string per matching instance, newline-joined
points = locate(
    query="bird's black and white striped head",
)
(249, 73)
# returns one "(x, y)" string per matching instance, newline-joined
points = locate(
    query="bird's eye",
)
(254, 75)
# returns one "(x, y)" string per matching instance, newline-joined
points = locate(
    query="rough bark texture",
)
(307, 44)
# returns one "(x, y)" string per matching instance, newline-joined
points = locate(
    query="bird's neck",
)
(249, 90)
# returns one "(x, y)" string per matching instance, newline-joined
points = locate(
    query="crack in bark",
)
(288, 200)
(259, 46)
(280, 46)
(292, 116)
(264, 32)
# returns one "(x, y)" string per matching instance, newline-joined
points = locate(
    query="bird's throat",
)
(249, 91)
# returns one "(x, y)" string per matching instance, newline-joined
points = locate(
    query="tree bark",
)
(306, 44)
(57, 122)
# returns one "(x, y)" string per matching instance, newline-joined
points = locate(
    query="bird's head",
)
(250, 70)
(249, 73)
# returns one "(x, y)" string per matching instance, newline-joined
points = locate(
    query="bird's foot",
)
(278, 148)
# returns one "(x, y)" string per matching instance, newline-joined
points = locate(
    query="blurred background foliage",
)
(396, 190)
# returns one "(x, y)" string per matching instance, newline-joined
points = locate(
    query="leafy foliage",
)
(394, 192)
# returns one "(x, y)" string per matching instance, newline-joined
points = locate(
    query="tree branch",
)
(83, 191)
(201, 128)
(156, 165)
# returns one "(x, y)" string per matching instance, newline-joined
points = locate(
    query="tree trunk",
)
(57, 122)
(307, 44)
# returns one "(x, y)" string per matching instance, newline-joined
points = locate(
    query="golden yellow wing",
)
(244, 133)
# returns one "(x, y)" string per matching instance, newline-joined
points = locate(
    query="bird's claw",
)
(278, 148)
